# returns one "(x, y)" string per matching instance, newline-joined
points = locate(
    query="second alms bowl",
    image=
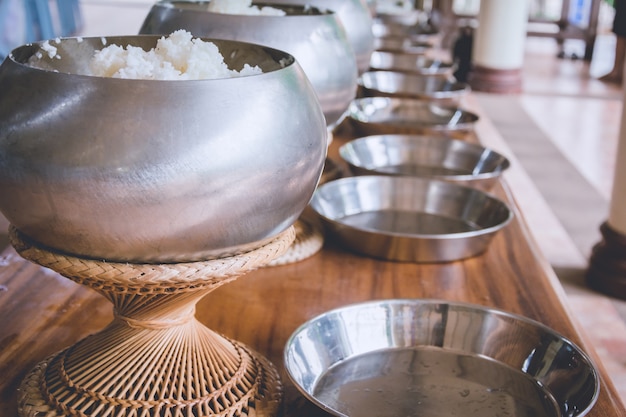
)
(316, 38)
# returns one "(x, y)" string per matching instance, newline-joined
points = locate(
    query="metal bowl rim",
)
(12, 59)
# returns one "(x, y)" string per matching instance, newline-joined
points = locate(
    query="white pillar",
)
(607, 268)
(617, 211)
(499, 43)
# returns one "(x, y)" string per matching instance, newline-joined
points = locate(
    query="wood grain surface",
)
(42, 312)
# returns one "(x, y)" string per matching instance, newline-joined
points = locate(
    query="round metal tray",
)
(417, 357)
(388, 14)
(431, 87)
(411, 63)
(406, 45)
(409, 219)
(427, 157)
(381, 115)
(421, 32)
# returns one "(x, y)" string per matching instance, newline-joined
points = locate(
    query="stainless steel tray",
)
(427, 157)
(418, 357)
(421, 32)
(395, 16)
(409, 219)
(431, 87)
(411, 63)
(381, 115)
(406, 45)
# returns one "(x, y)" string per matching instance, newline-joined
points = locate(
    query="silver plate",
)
(417, 357)
(406, 45)
(431, 87)
(388, 15)
(411, 63)
(409, 219)
(380, 115)
(427, 157)
(424, 32)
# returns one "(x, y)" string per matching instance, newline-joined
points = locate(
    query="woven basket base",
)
(154, 359)
(35, 400)
(309, 241)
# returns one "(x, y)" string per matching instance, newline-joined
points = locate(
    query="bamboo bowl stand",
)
(154, 358)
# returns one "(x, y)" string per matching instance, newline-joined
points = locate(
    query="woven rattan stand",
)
(154, 358)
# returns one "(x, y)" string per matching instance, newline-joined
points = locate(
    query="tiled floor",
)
(562, 129)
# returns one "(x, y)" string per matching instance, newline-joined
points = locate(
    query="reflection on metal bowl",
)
(316, 38)
(423, 156)
(156, 171)
(410, 219)
(381, 115)
(426, 357)
(437, 87)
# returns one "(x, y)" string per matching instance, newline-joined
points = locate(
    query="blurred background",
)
(574, 24)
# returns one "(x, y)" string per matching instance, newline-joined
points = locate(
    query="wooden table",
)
(43, 312)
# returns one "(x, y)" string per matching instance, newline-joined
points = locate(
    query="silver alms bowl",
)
(316, 38)
(156, 171)
(356, 19)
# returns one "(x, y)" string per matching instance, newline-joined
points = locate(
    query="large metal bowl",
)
(409, 219)
(381, 115)
(420, 357)
(411, 63)
(317, 39)
(437, 87)
(424, 156)
(156, 171)
(356, 19)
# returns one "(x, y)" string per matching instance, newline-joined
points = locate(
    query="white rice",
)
(242, 7)
(50, 50)
(176, 57)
